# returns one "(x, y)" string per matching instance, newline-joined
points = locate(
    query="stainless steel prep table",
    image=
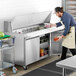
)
(69, 63)
(27, 33)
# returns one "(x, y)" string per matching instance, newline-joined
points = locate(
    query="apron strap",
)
(62, 24)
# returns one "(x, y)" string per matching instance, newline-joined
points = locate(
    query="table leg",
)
(63, 72)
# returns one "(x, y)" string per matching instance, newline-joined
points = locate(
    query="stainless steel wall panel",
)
(70, 6)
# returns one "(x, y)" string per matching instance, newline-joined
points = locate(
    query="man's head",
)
(59, 11)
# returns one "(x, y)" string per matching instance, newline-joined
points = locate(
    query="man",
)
(69, 31)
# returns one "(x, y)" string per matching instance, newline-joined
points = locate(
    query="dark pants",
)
(75, 39)
(64, 51)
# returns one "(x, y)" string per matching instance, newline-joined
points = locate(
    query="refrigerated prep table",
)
(31, 37)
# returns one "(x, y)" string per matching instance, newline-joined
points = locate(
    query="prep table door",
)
(32, 50)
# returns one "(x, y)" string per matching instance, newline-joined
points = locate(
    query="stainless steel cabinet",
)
(56, 46)
(32, 50)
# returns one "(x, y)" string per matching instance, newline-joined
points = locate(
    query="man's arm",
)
(67, 26)
(56, 24)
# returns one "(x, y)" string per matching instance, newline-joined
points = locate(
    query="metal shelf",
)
(45, 56)
(44, 45)
(4, 65)
(5, 46)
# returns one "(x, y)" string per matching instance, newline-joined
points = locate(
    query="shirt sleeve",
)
(58, 24)
(67, 26)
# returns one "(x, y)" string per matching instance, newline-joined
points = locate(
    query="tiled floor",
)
(33, 66)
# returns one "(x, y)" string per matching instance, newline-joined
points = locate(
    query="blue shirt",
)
(68, 21)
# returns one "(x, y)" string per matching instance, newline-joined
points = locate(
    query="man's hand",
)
(48, 25)
(52, 25)
(58, 38)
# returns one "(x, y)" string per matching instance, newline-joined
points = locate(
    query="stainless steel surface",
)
(56, 47)
(64, 72)
(30, 29)
(69, 63)
(43, 57)
(71, 11)
(45, 45)
(32, 50)
(64, 4)
(71, 2)
(6, 54)
(33, 46)
(27, 50)
(70, 7)
(27, 20)
(5, 65)
(33, 28)
(7, 26)
(19, 49)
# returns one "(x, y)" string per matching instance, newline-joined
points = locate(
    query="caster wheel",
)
(58, 55)
(25, 67)
(14, 69)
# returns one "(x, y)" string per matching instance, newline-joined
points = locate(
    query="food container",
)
(47, 25)
(41, 52)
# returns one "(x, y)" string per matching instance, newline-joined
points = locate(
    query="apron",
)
(69, 39)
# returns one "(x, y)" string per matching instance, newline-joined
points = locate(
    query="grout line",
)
(51, 71)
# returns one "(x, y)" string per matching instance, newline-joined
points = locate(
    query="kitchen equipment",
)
(44, 45)
(56, 45)
(4, 53)
(27, 48)
(28, 43)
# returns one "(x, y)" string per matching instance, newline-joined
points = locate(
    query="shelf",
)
(44, 43)
(4, 65)
(45, 56)
(7, 47)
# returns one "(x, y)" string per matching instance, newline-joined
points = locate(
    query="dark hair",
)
(59, 9)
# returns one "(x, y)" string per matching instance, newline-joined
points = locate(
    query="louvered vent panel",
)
(71, 7)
